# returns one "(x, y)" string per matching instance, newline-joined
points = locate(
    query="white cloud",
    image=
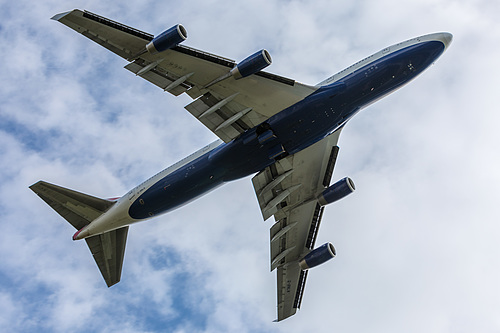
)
(416, 243)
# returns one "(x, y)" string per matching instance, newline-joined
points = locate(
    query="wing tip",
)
(58, 17)
(111, 283)
(34, 187)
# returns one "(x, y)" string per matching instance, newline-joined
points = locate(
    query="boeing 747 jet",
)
(283, 132)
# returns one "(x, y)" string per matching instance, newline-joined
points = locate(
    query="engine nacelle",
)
(252, 64)
(318, 256)
(337, 191)
(167, 39)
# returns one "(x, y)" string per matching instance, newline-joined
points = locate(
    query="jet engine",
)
(337, 191)
(318, 256)
(167, 39)
(252, 64)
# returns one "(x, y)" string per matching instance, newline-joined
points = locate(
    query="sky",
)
(417, 243)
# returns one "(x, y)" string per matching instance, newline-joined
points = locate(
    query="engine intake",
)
(318, 256)
(252, 64)
(167, 39)
(337, 191)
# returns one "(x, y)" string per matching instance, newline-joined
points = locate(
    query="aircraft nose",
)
(445, 38)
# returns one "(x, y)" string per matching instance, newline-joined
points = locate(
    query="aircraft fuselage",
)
(335, 101)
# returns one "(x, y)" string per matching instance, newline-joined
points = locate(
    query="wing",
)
(80, 209)
(227, 108)
(288, 190)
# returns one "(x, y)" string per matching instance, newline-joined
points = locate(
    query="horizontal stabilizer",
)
(108, 250)
(79, 210)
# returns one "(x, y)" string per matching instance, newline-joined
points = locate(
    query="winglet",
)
(58, 17)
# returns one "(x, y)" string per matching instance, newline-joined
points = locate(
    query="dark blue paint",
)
(295, 128)
(337, 191)
(168, 39)
(254, 63)
(319, 255)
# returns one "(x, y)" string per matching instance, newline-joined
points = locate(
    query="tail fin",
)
(79, 210)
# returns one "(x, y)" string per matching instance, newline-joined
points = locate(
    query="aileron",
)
(116, 37)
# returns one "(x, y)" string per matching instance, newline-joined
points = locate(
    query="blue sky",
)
(417, 243)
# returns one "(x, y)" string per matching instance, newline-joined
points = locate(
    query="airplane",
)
(283, 132)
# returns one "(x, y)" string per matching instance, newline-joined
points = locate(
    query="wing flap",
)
(293, 235)
(157, 76)
(268, 186)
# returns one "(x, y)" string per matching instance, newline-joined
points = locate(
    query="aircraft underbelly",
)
(288, 132)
